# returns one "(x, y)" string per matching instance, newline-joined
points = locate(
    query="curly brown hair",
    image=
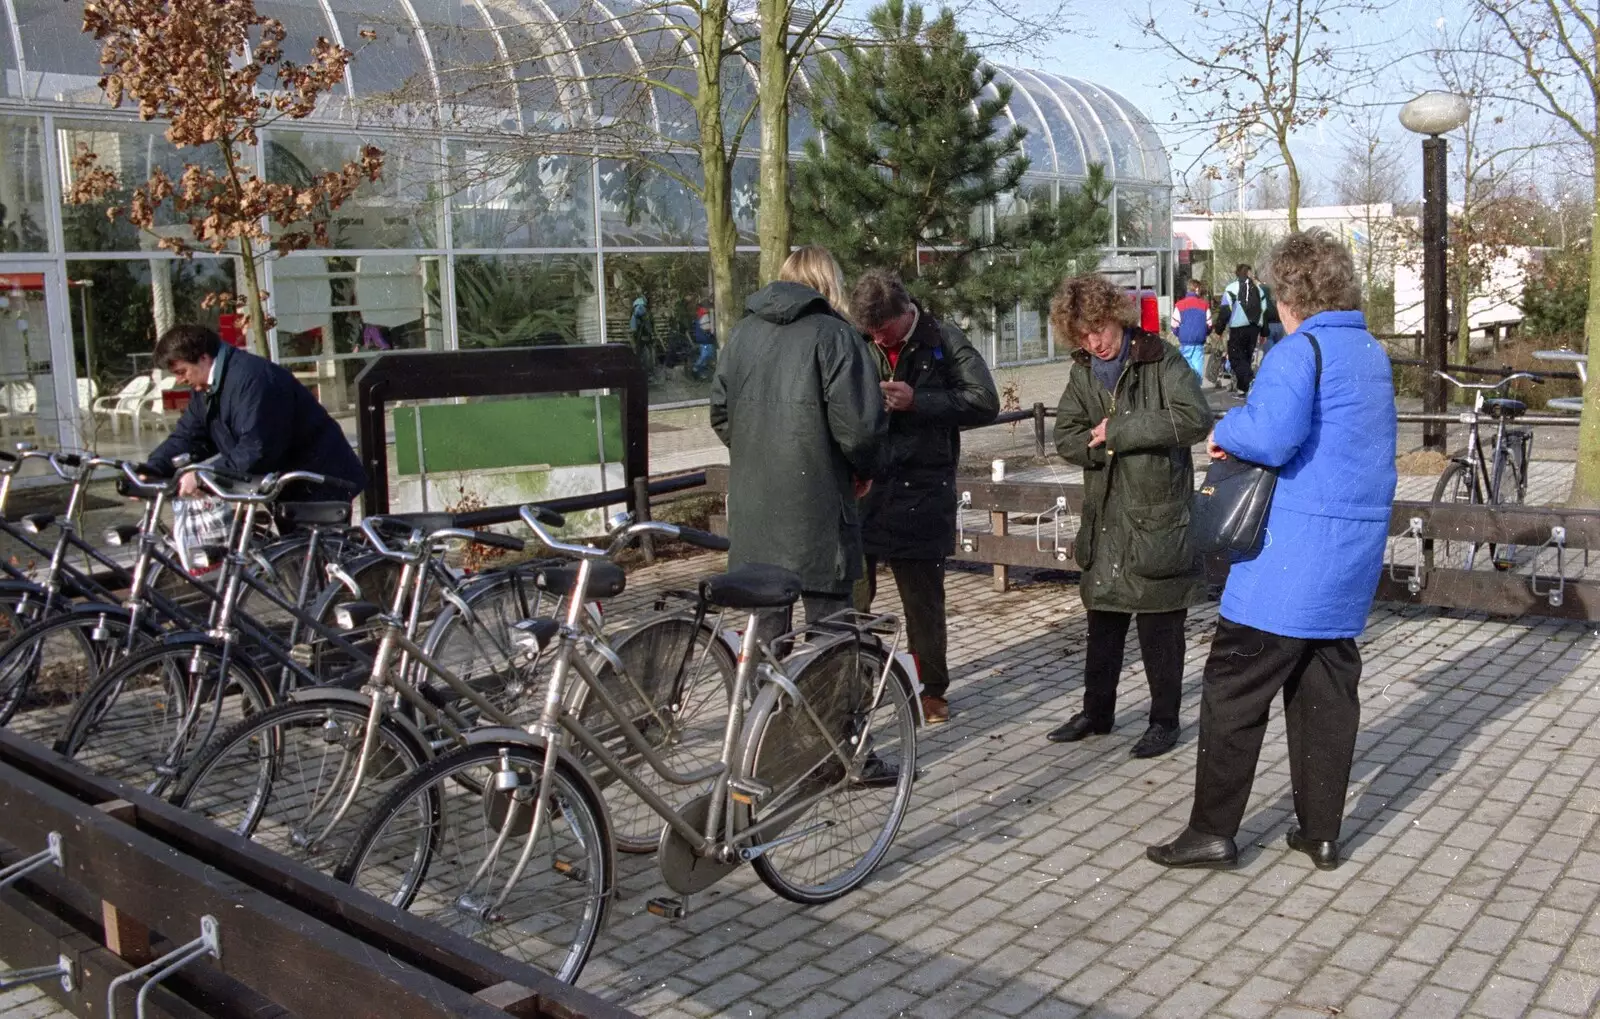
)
(1312, 272)
(1087, 303)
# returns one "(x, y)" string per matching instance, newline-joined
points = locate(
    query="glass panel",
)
(526, 300)
(28, 404)
(392, 65)
(10, 71)
(335, 313)
(507, 198)
(63, 62)
(1125, 147)
(746, 198)
(1032, 338)
(1139, 220)
(1091, 128)
(675, 288)
(22, 218)
(473, 75)
(1067, 129)
(642, 205)
(131, 151)
(1036, 144)
(303, 24)
(118, 308)
(402, 210)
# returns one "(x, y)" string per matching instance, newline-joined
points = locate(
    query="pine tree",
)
(911, 158)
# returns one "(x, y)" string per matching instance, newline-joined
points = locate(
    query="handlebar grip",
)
(494, 539)
(9, 458)
(72, 460)
(547, 516)
(705, 539)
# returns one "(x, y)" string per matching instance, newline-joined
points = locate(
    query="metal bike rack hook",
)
(50, 854)
(1055, 515)
(34, 974)
(1555, 594)
(1418, 575)
(965, 543)
(208, 943)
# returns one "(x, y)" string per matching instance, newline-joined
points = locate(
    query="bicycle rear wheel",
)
(828, 821)
(134, 723)
(423, 846)
(686, 672)
(1511, 482)
(475, 645)
(279, 777)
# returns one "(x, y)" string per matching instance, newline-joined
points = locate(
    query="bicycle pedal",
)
(668, 908)
(748, 791)
(569, 870)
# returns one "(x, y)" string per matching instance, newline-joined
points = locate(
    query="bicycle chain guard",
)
(683, 870)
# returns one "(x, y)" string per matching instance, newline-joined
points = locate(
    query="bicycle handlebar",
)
(263, 490)
(1490, 386)
(372, 528)
(622, 537)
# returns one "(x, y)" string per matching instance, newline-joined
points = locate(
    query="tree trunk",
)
(1294, 187)
(1462, 301)
(1586, 475)
(721, 235)
(254, 308)
(773, 92)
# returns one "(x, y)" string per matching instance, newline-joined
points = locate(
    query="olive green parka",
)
(1133, 542)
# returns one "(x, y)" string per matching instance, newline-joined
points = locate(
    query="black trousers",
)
(1242, 354)
(1246, 669)
(1161, 647)
(921, 586)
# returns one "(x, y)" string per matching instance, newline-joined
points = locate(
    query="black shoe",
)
(1157, 740)
(1195, 849)
(1324, 854)
(1075, 729)
(877, 772)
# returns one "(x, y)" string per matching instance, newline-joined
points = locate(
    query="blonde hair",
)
(815, 267)
(1087, 303)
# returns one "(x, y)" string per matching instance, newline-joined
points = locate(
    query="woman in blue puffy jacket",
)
(1322, 412)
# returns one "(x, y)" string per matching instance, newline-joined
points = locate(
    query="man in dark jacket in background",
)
(795, 399)
(938, 384)
(249, 416)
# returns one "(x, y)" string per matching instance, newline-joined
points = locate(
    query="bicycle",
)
(139, 721)
(810, 786)
(1499, 479)
(295, 775)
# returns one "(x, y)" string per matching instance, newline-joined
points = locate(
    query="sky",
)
(1088, 44)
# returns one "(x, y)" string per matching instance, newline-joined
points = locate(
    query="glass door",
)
(38, 403)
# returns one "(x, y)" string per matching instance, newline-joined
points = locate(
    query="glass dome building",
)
(507, 213)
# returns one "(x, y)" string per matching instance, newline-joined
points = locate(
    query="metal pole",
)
(1435, 227)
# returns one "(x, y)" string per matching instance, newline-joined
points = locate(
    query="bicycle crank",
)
(751, 852)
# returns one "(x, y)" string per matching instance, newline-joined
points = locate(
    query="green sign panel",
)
(558, 431)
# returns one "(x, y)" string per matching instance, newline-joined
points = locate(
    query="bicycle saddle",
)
(606, 580)
(312, 514)
(752, 586)
(1504, 407)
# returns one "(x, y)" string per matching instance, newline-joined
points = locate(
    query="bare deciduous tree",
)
(1283, 64)
(199, 65)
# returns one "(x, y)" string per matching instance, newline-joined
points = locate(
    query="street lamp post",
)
(1433, 114)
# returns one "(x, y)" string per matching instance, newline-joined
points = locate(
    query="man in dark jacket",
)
(795, 399)
(938, 384)
(250, 416)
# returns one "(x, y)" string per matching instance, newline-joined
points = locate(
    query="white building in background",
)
(1396, 239)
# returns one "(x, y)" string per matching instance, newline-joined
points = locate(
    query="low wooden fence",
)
(1033, 524)
(134, 882)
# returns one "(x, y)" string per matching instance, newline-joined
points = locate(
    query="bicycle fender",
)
(313, 694)
(189, 638)
(509, 734)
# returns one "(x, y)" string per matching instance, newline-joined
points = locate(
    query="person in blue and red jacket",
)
(1191, 321)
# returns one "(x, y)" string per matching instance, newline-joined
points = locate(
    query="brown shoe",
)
(935, 710)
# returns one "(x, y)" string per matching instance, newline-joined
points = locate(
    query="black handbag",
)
(1229, 512)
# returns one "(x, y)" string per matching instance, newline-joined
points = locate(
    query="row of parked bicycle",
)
(472, 746)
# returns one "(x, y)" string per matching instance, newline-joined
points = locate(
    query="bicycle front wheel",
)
(675, 688)
(447, 842)
(1458, 486)
(1511, 483)
(141, 722)
(45, 668)
(281, 777)
(833, 795)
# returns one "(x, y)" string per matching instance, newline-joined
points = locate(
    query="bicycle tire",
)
(277, 810)
(785, 753)
(476, 645)
(48, 649)
(1508, 456)
(419, 871)
(159, 677)
(1458, 486)
(690, 698)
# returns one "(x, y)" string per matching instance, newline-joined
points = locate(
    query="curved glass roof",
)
(529, 66)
